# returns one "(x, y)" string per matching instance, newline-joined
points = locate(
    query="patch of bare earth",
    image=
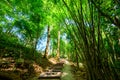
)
(9, 70)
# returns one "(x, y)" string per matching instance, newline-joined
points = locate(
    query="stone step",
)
(54, 72)
(50, 75)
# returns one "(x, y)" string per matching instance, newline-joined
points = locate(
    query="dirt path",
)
(67, 74)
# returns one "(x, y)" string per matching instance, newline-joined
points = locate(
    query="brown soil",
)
(25, 71)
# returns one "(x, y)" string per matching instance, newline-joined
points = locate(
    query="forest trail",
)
(59, 71)
(62, 70)
(67, 74)
(70, 72)
(53, 72)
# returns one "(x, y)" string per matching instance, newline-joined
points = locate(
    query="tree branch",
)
(114, 20)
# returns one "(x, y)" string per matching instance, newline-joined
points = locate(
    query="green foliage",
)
(11, 47)
(94, 35)
(89, 31)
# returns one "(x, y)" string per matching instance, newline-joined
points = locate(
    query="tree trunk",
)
(58, 48)
(48, 41)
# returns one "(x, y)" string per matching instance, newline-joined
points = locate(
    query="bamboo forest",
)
(59, 39)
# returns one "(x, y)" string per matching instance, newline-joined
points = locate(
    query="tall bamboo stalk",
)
(47, 44)
(98, 67)
(58, 46)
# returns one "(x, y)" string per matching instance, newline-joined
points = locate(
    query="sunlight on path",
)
(67, 75)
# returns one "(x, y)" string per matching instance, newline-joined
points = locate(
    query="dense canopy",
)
(81, 31)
